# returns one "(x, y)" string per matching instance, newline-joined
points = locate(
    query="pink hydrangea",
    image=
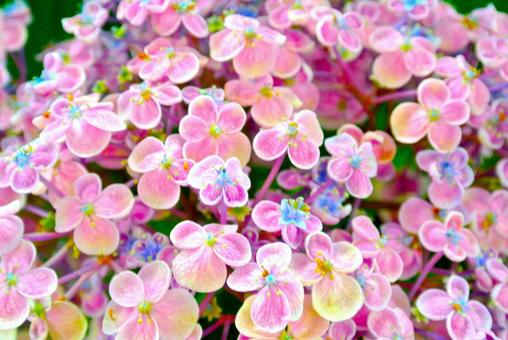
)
(142, 103)
(20, 283)
(391, 323)
(163, 169)
(406, 245)
(252, 46)
(143, 308)
(89, 212)
(376, 288)
(84, 123)
(205, 252)
(465, 319)
(437, 115)
(210, 129)
(449, 237)
(279, 299)
(301, 137)
(374, 246)
(292, 217)
(336, 296)
(177, 13)
(217, 180)
(351, 164)
(87, 25)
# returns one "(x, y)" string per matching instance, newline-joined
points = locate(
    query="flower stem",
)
(58, 256)
(395, 96)
(36, 210)
(223, 212)
(269, 180)
(51, 186)
(40, 237)
(499, 87)
(225, 331)
(78, 273)
(204, 304)
(77, 285)
(428, 267)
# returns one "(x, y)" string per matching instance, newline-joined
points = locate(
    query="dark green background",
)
(46, 27)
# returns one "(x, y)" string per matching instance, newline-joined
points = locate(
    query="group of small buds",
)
(145, 191)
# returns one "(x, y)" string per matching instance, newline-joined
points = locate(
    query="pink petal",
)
(187, 235)
(383, 324)
(97, 237)
(338, 298)
(15, 309)
(274, 257)
(304, 268)
(116, 201)
(102, 117)
(235, 145)
(37, 283)
(444, 138)
(288, 64)
(479, 98)
(88, 188)
(268, 112)
(303, 153)
(479, 316)
(85, 140)
(385, 39)
(390, 71)
(196, 25)
(115, 316)
(126, 289)
(346, 258)
(166, 23)
(326, 31)
(225, 45)
(20, 259)
(390, 264)
(183, 67)
(455, 112)
(350, 41)
(257, 61)
(409, 122)
(204, 172)
(449, 67)
(240, 22)
(158, 190)
(231, 118)
(199, 270)
(433, 93)
(497, 269)
(198, 151)
(270, 144)
(233, 249)
(434, 304)
(500, 296)
(318, 245)
(377, 292)
(147, 155)
(23, 181)
(310, 126)
(140, 328)
(65, 321)
(339, 169)
(11, 233)
(205, 108)
(167, 94)
(413, 213)
(445, 195)
(432, 235)
(460, 326)
(270, 310)
(359, 184)
(457, 288)
(156, 277)
(266, 215)
(70, 78)
(176, 314)
(420, 62)
(145, 115)
(246, 279)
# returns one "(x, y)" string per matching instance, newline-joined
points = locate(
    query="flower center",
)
(74, 112)
(223, 178)
(489, 220)
(323, 267)
(295, 212)
(469, 23)
(292, 129)
(434, 115)
(447, 171)
(170, 52)
(361, 280)
(381, 243)
(88, 209)
(184, 6)
(145, 307)
(250, 34)
(39, 310)
(166, 162)
(460, 306)
(356, 161)
(453, 236)
(23, 157)
(215, 130)
(211, 240)
(411, 4)
(266, 92)
(285, 336)
(12, 279)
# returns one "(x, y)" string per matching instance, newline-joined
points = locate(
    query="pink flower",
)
(180, 12)
(21, 170)
(373, 245)
(269, 104)
(391, 323)
(87, 25)
(60, 320)
(142, 103)
(336, 296)
(436, 115)
(89, 212)
(488, 213)
(216, 180)
(164, 170)
(376, 288)
(205, 252)
(334, 28)
(20, 283)
(463, 82)
(210, 129)
(493, 53)
(492, 125)
(189, 93)
(59, 76)
(406, 245)
(465, 319)
(499, 272)
(292, 217)
(280, 295)
(143, 308)
(166, 60)
(450, 175)
(282, 14)
(343, 330)
(450, 237)
(351, 164)
(401, 57)
(12, 228)
(301, 137)
(84, 123)
(416, 9)
(137, 11)
(252, 47)
(414, 212)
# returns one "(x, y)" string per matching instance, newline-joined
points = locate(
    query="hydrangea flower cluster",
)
(278, 169)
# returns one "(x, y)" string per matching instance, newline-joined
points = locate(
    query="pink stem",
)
(213, 328)
(51, 186)
(223, 212)
(225, 331)
(36, 210)
(78, 273)
(395, 96)
(57, 257)
(40, 237)
(77, 285)
(428, 267)
(269, 180)
(204, 304)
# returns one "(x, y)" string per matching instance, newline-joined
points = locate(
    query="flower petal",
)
(15, 309)
(233, 249)
(37, 283)
(97, 237)
(409, 123)
(156, 277)
(434, 304)
(270, 310)
(158, 190)
(126, 289)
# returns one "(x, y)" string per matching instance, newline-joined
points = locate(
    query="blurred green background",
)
(46, 27)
